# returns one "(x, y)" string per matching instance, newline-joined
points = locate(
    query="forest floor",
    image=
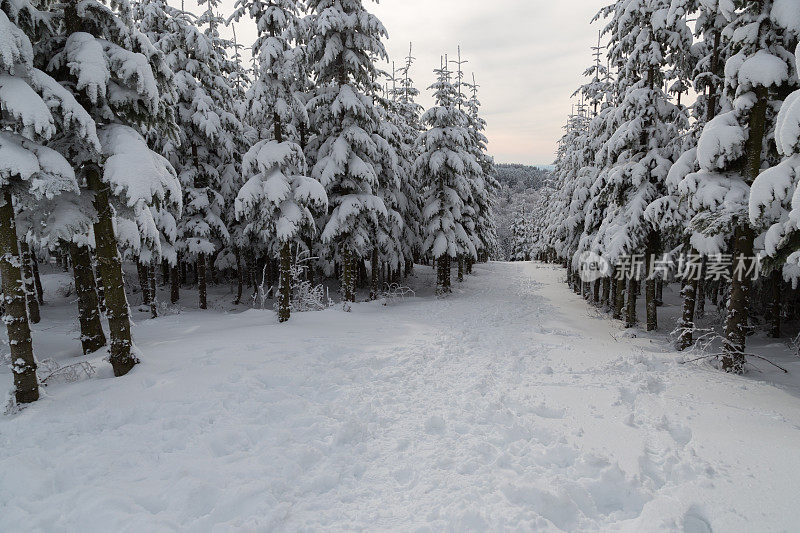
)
(510, 404)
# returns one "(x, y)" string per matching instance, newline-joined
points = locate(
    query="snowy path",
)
(506, 406)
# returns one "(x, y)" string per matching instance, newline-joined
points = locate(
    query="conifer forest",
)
(269, 265)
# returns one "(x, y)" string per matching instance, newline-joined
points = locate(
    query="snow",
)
(721, 142)
(135, 172)
(22, 103)
(762, 69)
(510, 405)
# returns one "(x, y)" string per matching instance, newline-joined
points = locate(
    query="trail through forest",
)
(510, 404)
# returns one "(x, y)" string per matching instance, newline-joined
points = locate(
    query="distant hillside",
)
(521, 177)
(519, 185)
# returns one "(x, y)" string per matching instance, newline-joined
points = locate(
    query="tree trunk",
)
(30, 289)
(700, 297)
(619, 300)
(151, 274)
(443, 274)
(285, 283)
(144, 282)
(596, 292)
(374, 275)
(686, 325)
(606, 298)
(460, 268)
(630, 312)
(653, 247)
(37, 280)
(26, 384)
(736, 322)
(110, 267)
(775, 305)
(348, 275)
(201, 281)
(92, 336)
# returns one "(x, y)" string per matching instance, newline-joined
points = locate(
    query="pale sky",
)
(527, 56)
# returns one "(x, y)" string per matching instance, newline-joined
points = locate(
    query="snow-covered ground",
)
(509, 405)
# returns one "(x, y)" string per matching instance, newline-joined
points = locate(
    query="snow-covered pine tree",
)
(445, 167)
(345, 40)
(520, 243)
(707, 59)
(641, 147)
(485, 184)
(408, 114)
(775, 201)
(388, 243)
(278, 201)
(118, 76)
(209, 128)
(32, 176)
(734, 146)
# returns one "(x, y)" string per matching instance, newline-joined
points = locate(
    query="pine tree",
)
(408, 113)
(732, 150)
(32, 176)
(520, 245)
(446, 168)
(485, 184)
(344, 41)
(278, 201)
(640, 147)
(118, 77)
(678, 206)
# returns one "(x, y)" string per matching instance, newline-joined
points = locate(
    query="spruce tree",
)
(32, 176)
(118, 77)
(345, 40)
(446, 168)
(733, 147)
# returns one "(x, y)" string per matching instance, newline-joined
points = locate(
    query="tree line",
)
(132, 132)
(711, 185)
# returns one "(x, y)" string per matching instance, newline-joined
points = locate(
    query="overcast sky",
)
(527, 56)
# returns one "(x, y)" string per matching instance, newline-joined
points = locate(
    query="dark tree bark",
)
(30, 290)
(285, 283)
(619, 300)
(630, 311)
(201, 281)
(733, 359)
(700, 298)
(92, 336)
(37, 280)
(144, 282)
(151, 274)
(596, 292)
(460, 268)
(653, 248)
(26, 384)
(606, 297)
(375, 269)
(348, 275)
(443, 274)
(110, 267)
(689, 294)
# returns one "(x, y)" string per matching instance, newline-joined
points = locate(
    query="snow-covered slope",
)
(508, 405)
